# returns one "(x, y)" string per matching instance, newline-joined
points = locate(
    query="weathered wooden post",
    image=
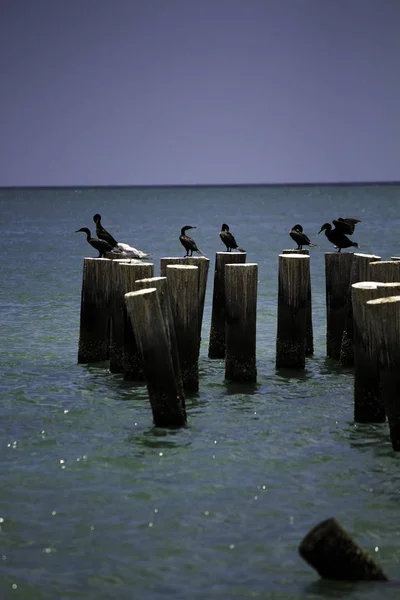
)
(203, 263)
(338, 267)
(216, 347)
(94, 332)
(359, 272)
(368, 402)
(293, 279)
(333, 553)
(386, 271)
(309, 326)
(395, 258)
(161, 285)
(115, 354)
(149, 328)
(124, 355)
(241, 317)
(183, 285)
(383, 317)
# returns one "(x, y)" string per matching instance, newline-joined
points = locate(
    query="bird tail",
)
(313, 245)
(200, 252)
(241, 249)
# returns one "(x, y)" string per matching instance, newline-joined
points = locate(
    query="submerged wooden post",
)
(292, 310)
(115, 354)
(333, 553)
(386, 271)
(216, 347)
(183, 285)
(309, 326)
(203, 263)
(94, 332)
(338, 267)
(359, 272)
(124, 354)
(383, 317)
(241, 317)
(161, 285)
(149, 328)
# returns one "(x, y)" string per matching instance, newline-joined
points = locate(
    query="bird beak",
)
(320, 230)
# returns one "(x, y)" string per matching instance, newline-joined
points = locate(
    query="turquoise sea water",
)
(95, 502)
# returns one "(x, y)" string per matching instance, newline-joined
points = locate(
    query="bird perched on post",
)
(100, 245)
(187, 242)
(126, 250)
(301, 239)
(337, 236)
(228, 239)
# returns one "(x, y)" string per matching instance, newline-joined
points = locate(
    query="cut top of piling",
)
(292, 255)
(143, 292)
(182, 267)
(147, 279)
(387, 300)
(378, 258)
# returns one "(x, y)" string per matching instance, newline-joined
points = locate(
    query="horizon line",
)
(203, 185)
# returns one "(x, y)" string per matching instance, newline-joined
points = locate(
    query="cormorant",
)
(100, 245)
(228, 239)
(346, 224)
(301, 239)
(126, 250)
(187, 242)
(337, 237)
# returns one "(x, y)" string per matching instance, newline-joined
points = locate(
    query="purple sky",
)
(139, 92)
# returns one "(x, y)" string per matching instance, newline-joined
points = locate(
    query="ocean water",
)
(95, 502)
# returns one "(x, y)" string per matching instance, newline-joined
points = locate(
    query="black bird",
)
(346, 224)
(301, 239)
(337, 237)
(102, 233)
(187, 242)
(125, 249)
(228, 239)
(100, 245)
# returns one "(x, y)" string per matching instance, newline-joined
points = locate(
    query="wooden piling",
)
(309, 326)
(241, 317)
(293, 280)
(124, 354)
(183, 282)
(216, 347)
(144, 311)
(368, 402)
(360, 271)
(383, 318)
(386, 271)
(338, 267)
(203, 263)
(161, 285)
(333, 553)
(94, 331)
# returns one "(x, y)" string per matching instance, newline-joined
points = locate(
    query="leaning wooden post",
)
(216, 347)
(149, 328)
(333, 553)
(292, 310)
(161, 285)
(94, 332)
(309, 326)
(203, 263)
(337, 280)
(359, 272)
(386, 271)
(383, 318)
(125, 354)
(241, 317)
(183, 282)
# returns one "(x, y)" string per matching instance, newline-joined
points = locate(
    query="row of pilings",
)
(149, 328)
(362, 327)
(155, 335)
